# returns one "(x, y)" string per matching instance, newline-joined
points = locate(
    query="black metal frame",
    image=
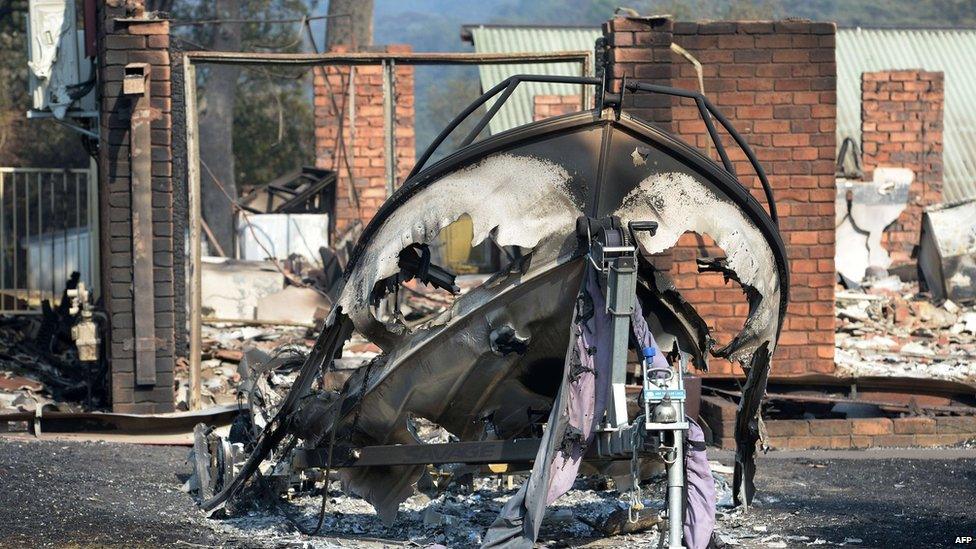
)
(509, 451)
(706, 110)
(317, 197)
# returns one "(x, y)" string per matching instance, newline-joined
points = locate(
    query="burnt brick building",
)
(776, 82)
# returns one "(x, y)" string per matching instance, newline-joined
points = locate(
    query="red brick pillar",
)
(776, 82)
(640, 50)
(364, 141)
(901, 126)
(132, 38)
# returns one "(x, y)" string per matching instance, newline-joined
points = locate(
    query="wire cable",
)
(189, 23)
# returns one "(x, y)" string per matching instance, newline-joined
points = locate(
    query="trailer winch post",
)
(613, 253)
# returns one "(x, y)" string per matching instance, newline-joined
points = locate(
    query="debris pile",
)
(224, 346)
(459, 515)
(888, 328)
(39, 369)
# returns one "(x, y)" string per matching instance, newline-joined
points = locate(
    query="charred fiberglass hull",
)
(490, 366)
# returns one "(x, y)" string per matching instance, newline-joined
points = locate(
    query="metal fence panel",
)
(48, 229)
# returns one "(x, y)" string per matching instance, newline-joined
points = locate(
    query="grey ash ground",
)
(57, 494)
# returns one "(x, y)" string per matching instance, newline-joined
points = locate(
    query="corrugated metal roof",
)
(858, 50)
(950, 51)
(499, 39)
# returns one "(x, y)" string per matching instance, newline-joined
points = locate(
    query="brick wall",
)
(124, 40)
(639, 48)
(776, 82)
(901, 126)
(365, 140)
(546, 106)
(719, 415)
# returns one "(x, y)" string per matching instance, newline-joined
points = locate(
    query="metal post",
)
(621, 289)
(193, 203)
(39, 271)
(585, 91)
(52, 221)
(676, 490)
(27, 228)
(389, 123)
(3, 241)
(13, 209)
(94, 230)
(64, 228)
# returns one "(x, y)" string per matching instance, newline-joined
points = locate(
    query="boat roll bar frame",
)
(706, 109)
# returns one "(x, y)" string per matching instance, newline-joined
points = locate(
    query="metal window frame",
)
(34, 177)
(387, 60)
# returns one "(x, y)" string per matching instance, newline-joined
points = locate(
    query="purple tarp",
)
(577, 409)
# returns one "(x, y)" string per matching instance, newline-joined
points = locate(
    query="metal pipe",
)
(376, 58)
(40, 230)
(584, 71)
(767, 189)
(490, 114)
(84, 272)
(3, 235)
(64, 227)
(14, 208)
(27, 227)
(676, 491)
(389, 125)
(94, 229)
(463, 115)
(64, 236)
(707, 119)
(454, 124)
(193, 207)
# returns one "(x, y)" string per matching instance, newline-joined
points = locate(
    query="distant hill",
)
(435, 25)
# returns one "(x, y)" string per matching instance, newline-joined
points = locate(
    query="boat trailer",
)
(530, 369)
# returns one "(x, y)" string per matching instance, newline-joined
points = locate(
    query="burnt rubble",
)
(890, 329)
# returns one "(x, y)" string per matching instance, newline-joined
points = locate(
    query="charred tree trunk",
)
(354, 25)
(216, 130)
(165, 6)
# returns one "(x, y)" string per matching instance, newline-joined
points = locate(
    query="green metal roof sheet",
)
(502, 39)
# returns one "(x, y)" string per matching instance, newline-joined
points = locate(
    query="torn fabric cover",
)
(576, 411)
(700, 501)
(523, 190)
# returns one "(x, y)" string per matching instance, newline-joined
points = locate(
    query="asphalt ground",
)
(86, 494)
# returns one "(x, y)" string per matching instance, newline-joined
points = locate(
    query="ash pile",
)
(453, 505)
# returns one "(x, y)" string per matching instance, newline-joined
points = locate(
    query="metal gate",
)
(48, 229)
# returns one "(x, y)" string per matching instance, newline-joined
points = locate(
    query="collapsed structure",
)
(518, 367)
